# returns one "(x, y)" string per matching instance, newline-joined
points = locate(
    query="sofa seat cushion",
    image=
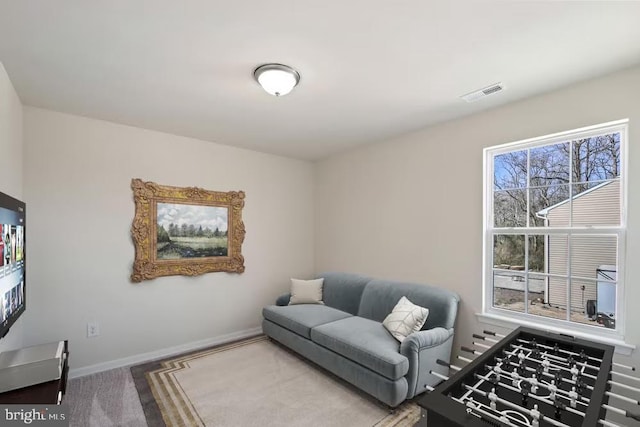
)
(301, 318)
(365, 342)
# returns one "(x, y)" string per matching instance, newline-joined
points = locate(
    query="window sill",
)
(621, 347)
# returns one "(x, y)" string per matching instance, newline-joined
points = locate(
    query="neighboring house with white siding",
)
(599, 205)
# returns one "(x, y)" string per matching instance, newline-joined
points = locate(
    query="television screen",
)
(12, 261)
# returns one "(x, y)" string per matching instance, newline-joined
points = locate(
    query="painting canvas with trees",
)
(191, 231)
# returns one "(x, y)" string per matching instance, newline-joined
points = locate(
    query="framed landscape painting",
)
(185, 231)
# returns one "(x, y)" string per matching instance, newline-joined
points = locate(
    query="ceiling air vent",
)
(481, 93)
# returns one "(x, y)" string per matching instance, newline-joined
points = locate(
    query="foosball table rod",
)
(470, 350)
(555, 366)
(448, 365)
(581, 399)
(540, 384)
(620, 365)
(621, 397)
(628, 387)
(483, 338)
(572, 353)
(494, 334)
(464, 359)
(624, 412)
(534, 396)
(625, 376)
(610, 382)
(562, 392)
(560, 359)
(477, 344)
(476, 406)
(548, 402)
(550, 420)
(607, 423)
(514, 406)
(550, 356)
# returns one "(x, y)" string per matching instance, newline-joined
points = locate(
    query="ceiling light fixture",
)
(276, 79)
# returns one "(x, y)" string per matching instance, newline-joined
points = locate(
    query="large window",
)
(555, 229)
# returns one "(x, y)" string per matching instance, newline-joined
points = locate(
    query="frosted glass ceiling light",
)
(276, 79)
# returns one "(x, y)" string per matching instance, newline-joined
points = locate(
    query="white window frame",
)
(508, 318)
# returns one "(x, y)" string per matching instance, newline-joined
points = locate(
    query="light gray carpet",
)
(110, 398)
(105, 399)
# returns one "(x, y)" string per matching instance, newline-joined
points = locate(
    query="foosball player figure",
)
(583, 355)
(535, 416)
(539, 371)
(580, 386)
(493, 398)
(556, 349)
(534, 383)
(470, 405)
(574, 373)
(559, 407)
(505, 354)
(521, 356)
(534, 345)
(525, 387)
(546, 364)
(498, 371)
(522, 368)
(558, 376)
(573, 395)
(514, 377)
(552, 390)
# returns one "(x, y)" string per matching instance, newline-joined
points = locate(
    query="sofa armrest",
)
(422, 349)
(283, 299)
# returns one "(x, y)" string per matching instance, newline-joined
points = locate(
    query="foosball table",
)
(530, 378)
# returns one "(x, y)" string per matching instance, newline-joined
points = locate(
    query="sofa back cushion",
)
(343, 290)
(380, 296)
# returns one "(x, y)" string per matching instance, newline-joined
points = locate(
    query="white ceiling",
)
(370, 69)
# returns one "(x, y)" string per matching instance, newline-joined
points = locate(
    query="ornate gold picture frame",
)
(185, 231)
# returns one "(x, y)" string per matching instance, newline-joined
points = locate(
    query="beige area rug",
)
(257, 382)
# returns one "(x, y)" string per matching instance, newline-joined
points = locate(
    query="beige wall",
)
(11, 173)
(77, 186)
(411, 208)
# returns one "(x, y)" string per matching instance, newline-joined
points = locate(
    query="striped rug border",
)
(171, 404)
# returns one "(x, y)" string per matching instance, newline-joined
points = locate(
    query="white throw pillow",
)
(306, 291)
(405, 318)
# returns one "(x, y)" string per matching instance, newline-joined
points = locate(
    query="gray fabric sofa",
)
(346, 335)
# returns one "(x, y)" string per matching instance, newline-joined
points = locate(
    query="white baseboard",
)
(162, 353)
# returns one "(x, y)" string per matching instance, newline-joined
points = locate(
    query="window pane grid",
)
(560, 174)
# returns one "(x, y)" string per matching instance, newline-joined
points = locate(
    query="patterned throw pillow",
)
(306, 291)
(405, 318)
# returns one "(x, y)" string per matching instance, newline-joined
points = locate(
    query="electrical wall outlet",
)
(93, 329)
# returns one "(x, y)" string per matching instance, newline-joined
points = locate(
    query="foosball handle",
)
(480, 337)
(468, 350)
(493, 334)
(634, 415)
(443, 363)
